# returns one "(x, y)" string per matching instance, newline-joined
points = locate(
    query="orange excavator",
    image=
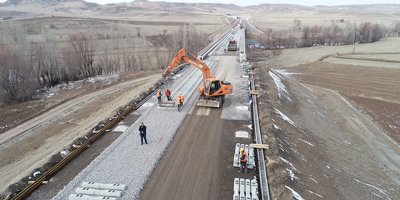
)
(213, 91)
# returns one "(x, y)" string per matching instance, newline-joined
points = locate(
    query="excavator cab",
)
(213, 93)
(212, 86)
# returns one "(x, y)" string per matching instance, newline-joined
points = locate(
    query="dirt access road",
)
(36, 140)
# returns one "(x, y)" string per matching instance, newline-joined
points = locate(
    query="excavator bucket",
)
(210, 102)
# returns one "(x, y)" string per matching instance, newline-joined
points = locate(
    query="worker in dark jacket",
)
(159, 94)
(168, 94)
(142, 131)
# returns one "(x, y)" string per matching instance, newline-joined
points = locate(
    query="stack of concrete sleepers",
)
(245, 189)
(251, 164)
(98, 191)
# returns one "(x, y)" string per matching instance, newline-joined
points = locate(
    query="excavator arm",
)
(185, 56)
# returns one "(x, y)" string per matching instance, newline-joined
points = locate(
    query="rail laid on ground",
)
(262, 172)
(112, 122)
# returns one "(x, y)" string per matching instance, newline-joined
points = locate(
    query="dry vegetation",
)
(333, 35)
(37, 54)
(291, 26)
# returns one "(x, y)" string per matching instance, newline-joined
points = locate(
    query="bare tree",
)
(18, 80)
(84, 54)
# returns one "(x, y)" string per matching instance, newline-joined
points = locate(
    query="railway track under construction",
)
(125, 111)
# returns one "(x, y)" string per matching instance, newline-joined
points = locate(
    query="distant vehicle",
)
(232, 46)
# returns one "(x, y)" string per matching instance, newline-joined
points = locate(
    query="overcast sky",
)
(256, 2)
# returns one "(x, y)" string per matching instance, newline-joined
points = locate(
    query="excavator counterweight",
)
(213, 91)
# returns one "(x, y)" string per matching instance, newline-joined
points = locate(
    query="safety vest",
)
(243, 157)
(180, 99)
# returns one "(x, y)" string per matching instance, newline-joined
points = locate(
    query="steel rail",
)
(262, 172)
(114, 121)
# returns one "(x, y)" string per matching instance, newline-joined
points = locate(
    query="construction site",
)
(244, 114)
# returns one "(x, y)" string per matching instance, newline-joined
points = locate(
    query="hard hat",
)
(241, 149)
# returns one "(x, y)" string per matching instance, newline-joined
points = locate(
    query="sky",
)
(256, 2)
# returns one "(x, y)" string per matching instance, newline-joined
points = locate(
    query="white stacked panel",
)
(87, 197)
(251, 163)
(248, 191)
(242, 187)
(236, 156)
(245, 189)
(95, 185)
(97, 192)
(236, 189)
(254, 190)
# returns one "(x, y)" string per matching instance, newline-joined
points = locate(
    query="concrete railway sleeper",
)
(113, 121)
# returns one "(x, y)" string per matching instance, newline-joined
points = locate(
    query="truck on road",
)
(232, 46)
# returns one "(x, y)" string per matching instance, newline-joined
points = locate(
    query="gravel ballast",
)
(128, 162)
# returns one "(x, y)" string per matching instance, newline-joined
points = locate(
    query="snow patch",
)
(286, 118)
(382, 191)
(280, 86)
(107, 79)
(120, 128)
(347, 142)
(276, 127)
(393, 127)
(37, 173)
(314, 180)
(291, 174)
(307, 88)
(348, 103)
(315, 193)
(377, 195)
(246, 108)
(147, 104)
(289, 163)
(284, 72)
(52, 91)
(294, 193)
(64, 152)
(241, 134)
(307, 142)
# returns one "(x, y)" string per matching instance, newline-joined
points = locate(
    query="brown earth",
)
(13, 115)
(49, 133)
(375, 90)
(332, 150)
(72, 169)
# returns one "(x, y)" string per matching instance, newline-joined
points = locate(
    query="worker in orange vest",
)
(159, 96)
(243, 160)
(179, 100)
(168, 94)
